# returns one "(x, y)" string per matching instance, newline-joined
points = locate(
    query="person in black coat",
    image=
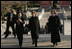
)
(54, 24)
(34, 26)
(20, 28)
(10, 22)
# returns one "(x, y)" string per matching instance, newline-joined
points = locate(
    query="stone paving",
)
(43, 42)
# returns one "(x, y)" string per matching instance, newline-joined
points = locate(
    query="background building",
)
(55, 4)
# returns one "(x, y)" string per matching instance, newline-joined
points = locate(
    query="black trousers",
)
(34, 40)
(20, 38)
(12, 26)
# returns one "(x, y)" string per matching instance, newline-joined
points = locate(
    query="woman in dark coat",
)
(19, 27)
(34, 26)
(54, 24)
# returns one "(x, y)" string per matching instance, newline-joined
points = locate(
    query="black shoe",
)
(14, 36)
(20, 46)
(6, 36)
(56, 44)
(35, 45)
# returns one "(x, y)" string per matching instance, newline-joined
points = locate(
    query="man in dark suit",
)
(10, 22)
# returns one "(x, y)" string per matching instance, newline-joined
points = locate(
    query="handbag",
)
(61, 28)
(25, 30)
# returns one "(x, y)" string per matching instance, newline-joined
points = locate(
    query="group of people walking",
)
(33, 26)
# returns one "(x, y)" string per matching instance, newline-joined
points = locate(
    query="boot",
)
(56, 44)
(14, 36)
(33, 42)
(35, 45)
(6, 36)
(20, 46)
(53, 44)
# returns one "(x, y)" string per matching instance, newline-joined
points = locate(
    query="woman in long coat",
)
(34, 26)
(19, 27)
(54, 25)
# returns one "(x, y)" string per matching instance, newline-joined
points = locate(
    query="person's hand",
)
(24, 25)
(5, 18)
(19, 20)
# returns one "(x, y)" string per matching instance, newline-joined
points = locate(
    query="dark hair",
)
(54, 11)
(34, 12)
(11, 9)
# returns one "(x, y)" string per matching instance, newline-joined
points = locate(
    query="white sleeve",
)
(41, 14)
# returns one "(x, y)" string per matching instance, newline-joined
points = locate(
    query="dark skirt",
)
(34, 35)
(55, 36)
